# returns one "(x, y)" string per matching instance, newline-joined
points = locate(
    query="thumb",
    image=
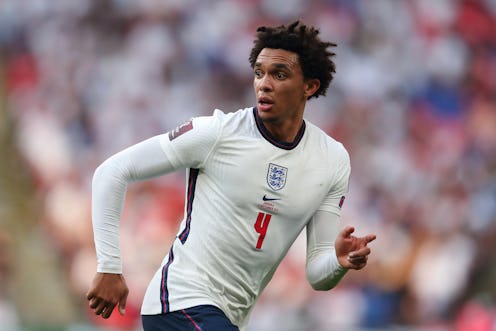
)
(122, 306)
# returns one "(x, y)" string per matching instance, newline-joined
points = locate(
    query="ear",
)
(311, 86)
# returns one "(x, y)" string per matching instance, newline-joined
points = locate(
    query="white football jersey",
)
(248, 197)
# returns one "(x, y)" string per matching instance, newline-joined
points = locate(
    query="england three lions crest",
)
(276, 176)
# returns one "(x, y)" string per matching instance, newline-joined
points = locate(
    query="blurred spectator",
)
(9, 318)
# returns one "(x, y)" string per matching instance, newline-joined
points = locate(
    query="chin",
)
(267, 116)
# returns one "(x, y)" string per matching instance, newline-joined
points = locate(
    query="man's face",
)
(280, 88)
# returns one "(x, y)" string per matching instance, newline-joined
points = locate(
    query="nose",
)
(264, 84)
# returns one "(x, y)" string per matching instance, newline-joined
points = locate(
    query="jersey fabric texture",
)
(248, 197)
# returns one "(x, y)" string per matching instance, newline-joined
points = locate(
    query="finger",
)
(359, 260)
(94, 302)
(89, 296)
(365, 250)
(357, 257)
(122, 310)
(100, 308)
(357, 263)
(122, 305)
(360, 266)
(108, 311)
(354, 266)
(370, 237)
(348, 231)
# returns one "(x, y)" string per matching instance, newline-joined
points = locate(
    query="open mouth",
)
(264, 100)
(265, 103)
(264, 106)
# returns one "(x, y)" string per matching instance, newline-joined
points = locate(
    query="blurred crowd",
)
(413, 100)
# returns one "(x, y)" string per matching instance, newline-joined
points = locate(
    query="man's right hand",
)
(106, 292)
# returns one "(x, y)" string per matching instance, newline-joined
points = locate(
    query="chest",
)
(255, 175)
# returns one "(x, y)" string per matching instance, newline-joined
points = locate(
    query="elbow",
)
(99, 173)
(102, 172)
(324, 273)
(325, 281)
(112, 169)
(321, 286)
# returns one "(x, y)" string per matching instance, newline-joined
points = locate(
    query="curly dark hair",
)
(303, 40)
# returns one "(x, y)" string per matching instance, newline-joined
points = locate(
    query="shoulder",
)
(326, 144)
(219, 118)
(332, 155)
(234, 121)
(233, 116)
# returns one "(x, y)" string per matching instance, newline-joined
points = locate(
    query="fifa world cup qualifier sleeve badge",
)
(181, 129)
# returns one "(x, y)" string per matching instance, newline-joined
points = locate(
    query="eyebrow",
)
(277, 65)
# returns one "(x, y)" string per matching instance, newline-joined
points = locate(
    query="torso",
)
(250, 198)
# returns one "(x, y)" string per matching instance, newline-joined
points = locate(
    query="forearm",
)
(323, 269)
(108, 193)
(110, 180)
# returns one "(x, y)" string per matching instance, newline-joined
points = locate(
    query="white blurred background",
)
(413, 100)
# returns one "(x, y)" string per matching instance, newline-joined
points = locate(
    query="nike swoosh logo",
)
(269, 199)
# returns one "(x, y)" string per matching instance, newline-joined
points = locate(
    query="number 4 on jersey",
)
(261, 226)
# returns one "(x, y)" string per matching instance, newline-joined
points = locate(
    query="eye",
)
(280, 75)
(258, 73)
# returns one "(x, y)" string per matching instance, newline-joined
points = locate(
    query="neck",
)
(285, 131)
(283, 136)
